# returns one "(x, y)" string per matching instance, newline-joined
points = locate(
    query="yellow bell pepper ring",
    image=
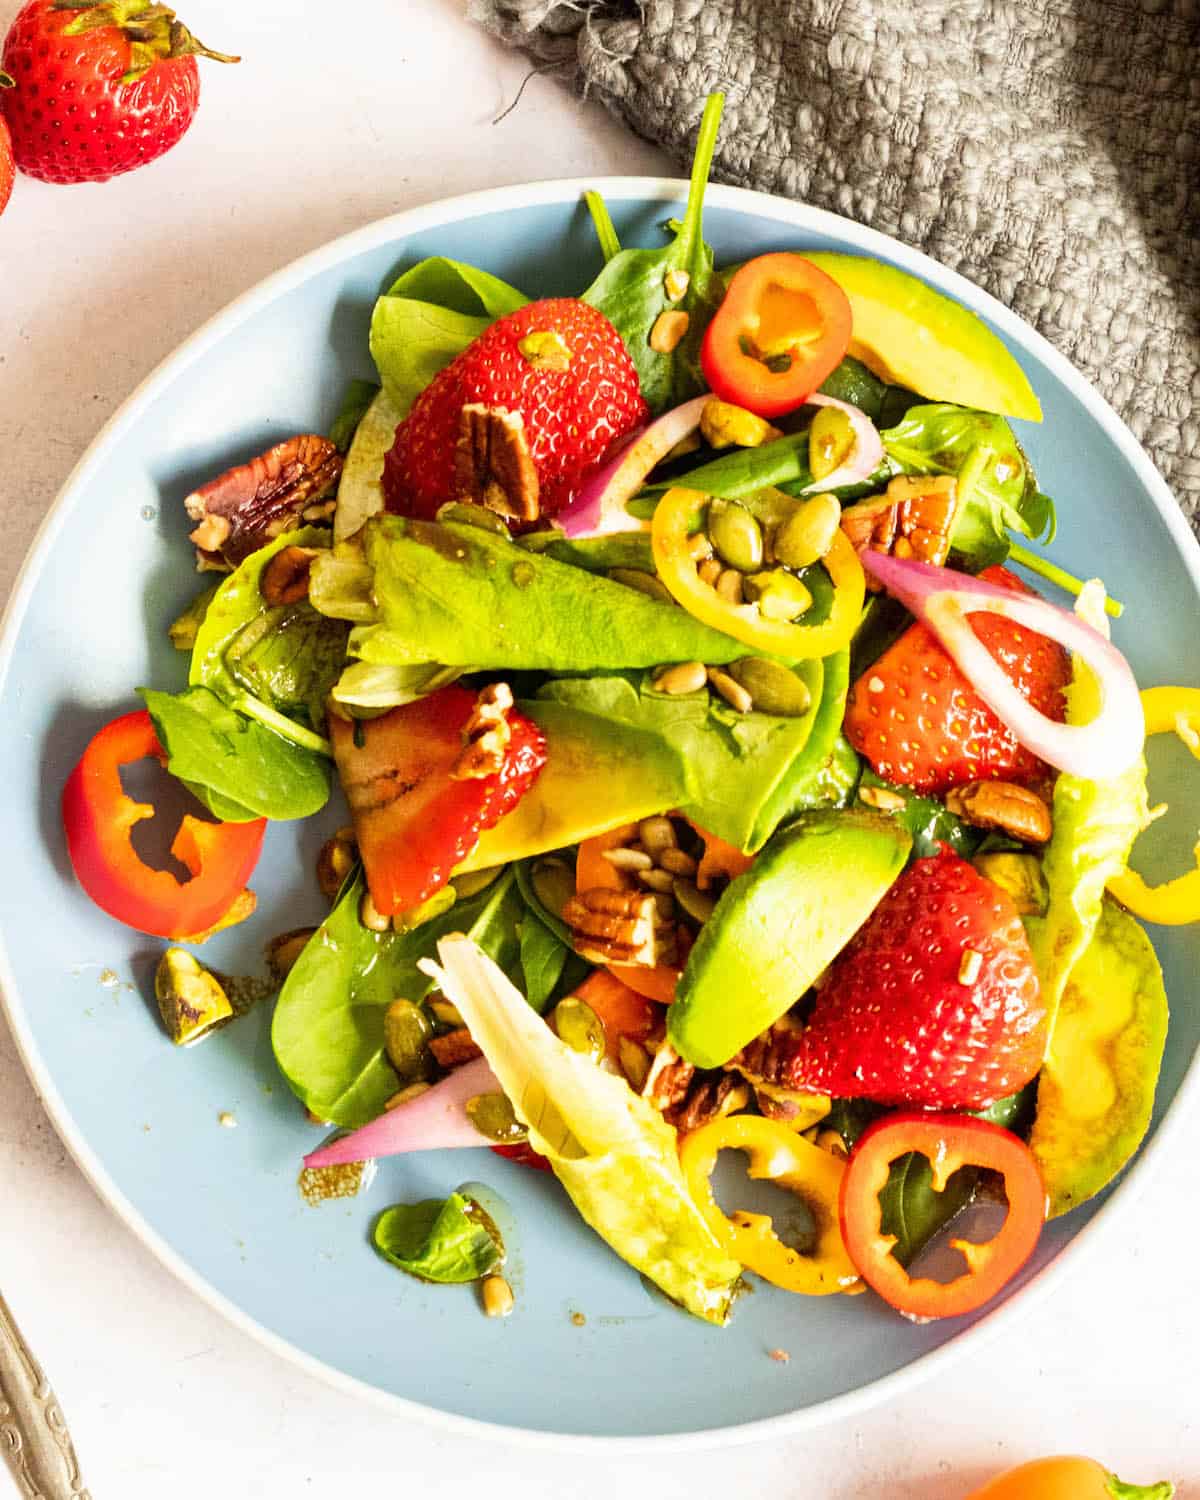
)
(1177, 901)
(673, 517)
(779, 1155)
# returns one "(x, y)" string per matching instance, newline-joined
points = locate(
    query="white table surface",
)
(330, 123)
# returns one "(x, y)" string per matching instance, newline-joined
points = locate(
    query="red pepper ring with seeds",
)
(948, 1142)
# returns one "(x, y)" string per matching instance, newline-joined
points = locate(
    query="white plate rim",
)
(432, 216)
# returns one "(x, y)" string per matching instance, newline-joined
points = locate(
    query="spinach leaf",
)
(185, 627)
(883, 621)
(328, 1026)
(606, 234)
(913, 1211)
(356, 401)
(596, 554)
(997, 485)
(427, 317)
(927, 820)
(543, 957)
(428, 591)
(631, 289)
(751, 769)
(853, 382)
(277, 664)
(445, 1242)
(237, 768)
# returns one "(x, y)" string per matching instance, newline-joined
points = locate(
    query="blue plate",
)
(220, 1206)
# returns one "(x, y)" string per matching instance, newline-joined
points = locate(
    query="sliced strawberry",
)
(416, 814)
(523, 1153)
(919, 722)
(548, 389)
(935, 1002)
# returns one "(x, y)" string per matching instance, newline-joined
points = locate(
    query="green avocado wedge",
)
(909, 335)
(598, 775)
(1096, 1088)
(779, 926)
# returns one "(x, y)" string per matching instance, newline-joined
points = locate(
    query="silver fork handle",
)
(33, 1435)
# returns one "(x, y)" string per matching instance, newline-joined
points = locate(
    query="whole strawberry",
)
(934, 1003)
(518, 417)
(919, 722)
(100, 88)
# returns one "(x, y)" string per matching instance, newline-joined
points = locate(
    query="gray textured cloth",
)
(1047, 149)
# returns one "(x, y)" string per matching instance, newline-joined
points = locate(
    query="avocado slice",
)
(598, 774)
(1096, 1088)
(907, 334)
(779, 926)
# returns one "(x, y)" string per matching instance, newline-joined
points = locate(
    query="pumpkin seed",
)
(473, 515)
(445, 1013)
(579, 1027)
(774, 688)
(808, 533)
(492, 1115)
(778, 594)
(687, 677)
(553, 884)
(830, 441)
(635, 1062)
(695, 903)
(475, 881)
(735, 534)
(645, 583)
(677, 862)
(658, 833)
(406, 1033)
(733, 692)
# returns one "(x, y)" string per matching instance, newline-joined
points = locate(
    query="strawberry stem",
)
(154, 32)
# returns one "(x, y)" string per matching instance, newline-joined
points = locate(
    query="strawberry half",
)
(934, 1003)
(518, 417)
(412, 780)
(920, 723)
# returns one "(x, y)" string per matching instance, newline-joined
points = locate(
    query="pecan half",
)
(623, 927)
(768, 1058)
(913, 519)
(1015, 810)
(284, 580)
(246, 506)
(493, 465)
(710, 1096)
(486, 734)
(455, 1048)
(669, 1078)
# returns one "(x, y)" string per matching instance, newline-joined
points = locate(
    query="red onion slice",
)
(434, 1120)
(865, 456)
(599, 507)
(942, 599)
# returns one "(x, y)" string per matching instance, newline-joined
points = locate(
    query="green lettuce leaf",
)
(612, 1151)
(1095, 825)
(328, 1027)
(427, 317)
(631, 289)
(275, 664)
(1000, 493)
(438, 1241)
(750, 770)
(427, 591)
(238, 769)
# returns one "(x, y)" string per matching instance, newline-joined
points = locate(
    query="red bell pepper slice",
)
(948, 1142)
(782, 328)
(98, 817)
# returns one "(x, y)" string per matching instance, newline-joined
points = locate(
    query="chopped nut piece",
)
(546, 349)
(493, 465)
(335, 861)
(676, 283)
(284, 580)
(497, 1297)
(668, 1080)
(246, 506)
(191, 1001)
(284, 949)
(628, 858)
(881, 798)
(455, 1048)
(486, 734)
(370, 915)
(687, 677)
(668, 331)
(1015, 810)
(780, 1356)
(625, 927)
(733, 692)
(915, 518)
(710, 1096)
(969, 966)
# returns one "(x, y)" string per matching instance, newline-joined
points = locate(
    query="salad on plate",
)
(714, 783)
